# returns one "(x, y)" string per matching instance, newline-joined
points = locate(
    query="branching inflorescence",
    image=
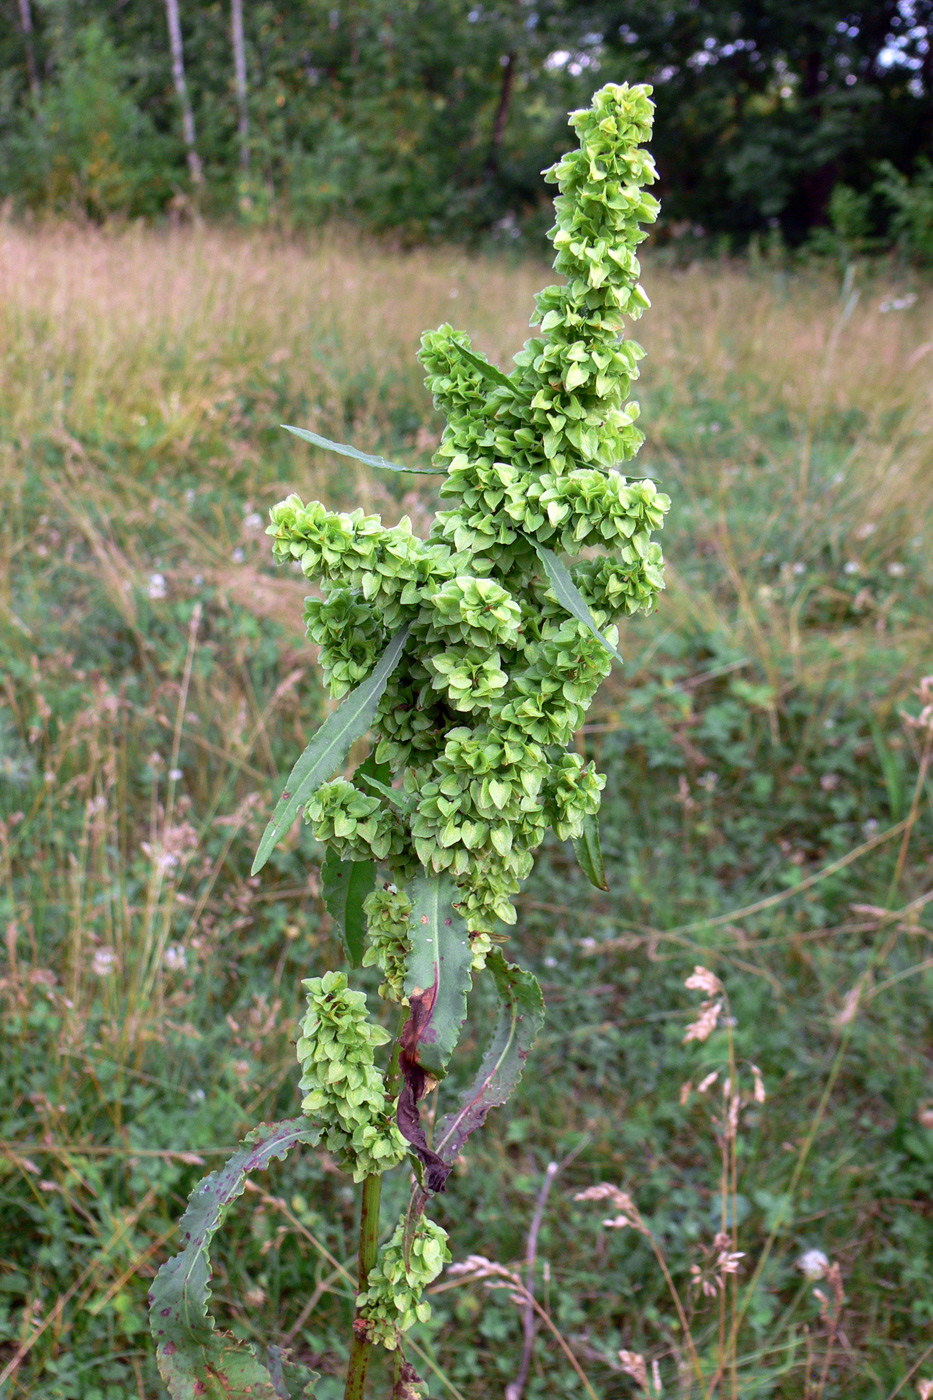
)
(472, 657)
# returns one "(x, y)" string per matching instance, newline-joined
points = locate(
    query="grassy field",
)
(768, 815)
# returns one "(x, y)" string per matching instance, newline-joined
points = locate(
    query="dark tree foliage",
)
(765, 106)
(436, 117)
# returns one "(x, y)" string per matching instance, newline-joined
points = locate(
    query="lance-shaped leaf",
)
(491, 372)
(590, 853)
(344, 885)
(194, 1359)
(329, 747)
(438, 972)
(369, 458)
(521, 1016)
(569, 596)
(437, 979)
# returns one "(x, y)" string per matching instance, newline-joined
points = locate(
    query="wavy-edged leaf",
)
(194, 1359)
(344, 886)
(590, 853)
(569, 596)
(437, 979)
(438, 973)
(521, 1016)
(487, 370)
(329, 747)
(369, 458)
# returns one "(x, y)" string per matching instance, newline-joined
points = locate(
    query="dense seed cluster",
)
(343, 1090)
(496, 675)
(393, 1299)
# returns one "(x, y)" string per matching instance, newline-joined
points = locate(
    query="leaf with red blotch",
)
(521, 1016)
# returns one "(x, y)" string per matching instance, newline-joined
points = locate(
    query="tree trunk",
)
(25, 14)
(502, 114)
(239, 65)
(181, 91)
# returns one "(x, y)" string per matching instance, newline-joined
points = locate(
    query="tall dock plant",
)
(471, 658)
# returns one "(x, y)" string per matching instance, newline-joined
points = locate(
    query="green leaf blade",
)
(489, 371)
(438, 974)
(329, 747)
(370, 459)
(521, 1016)
(344, 886)
(570, 597)
(194, 1359)
(589, 853)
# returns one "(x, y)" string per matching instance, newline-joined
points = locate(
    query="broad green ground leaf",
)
(346, 450)
(590, 853)
(194, 1359)
(488, 371)
(437, 979)
(521, 1016)
(344, 885)
(569, 596)
(329, 747)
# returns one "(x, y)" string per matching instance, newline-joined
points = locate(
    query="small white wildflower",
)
(105, 962)
(851, 567)
(197, 1096)
(870, 826)
(175, 958)
(898, 303)
(798, 568)
(253, 521)
(175, 774)
(190, 495)
(708, 781)
(715, 427)
(896, 569)
(157, 587)
(238, 556)
(830, 781)
(813, 1263)
(198, 580)
(866, 530)
(839, 478)
(550, 961)
(702, 980)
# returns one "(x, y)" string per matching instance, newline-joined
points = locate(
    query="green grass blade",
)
(570, 597)
(590, 853)
(329, 747)
(344, 885)
(521, 1016)
(194, 1359)
(369, 458)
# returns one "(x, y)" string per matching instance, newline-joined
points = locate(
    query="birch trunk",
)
(239, 65)
(181, 91)
(25, 14)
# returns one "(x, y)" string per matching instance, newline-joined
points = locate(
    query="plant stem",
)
(369, 1245)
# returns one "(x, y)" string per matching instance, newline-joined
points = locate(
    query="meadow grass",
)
(768, 816)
